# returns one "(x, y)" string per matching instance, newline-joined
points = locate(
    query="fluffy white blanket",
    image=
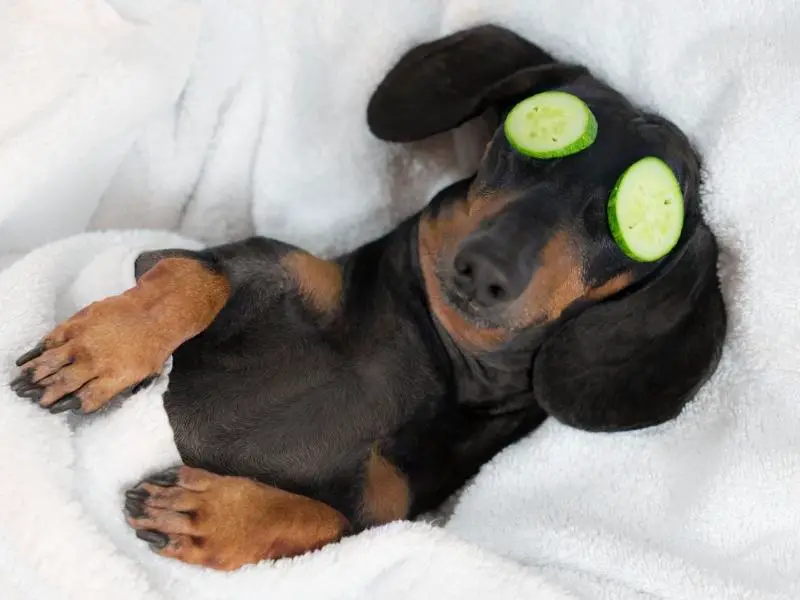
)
(220, 118)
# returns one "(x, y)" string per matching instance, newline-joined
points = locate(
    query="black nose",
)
(481, 279)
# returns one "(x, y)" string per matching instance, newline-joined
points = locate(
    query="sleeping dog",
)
(311, 399)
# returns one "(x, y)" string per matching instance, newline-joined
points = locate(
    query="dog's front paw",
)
(107, 349)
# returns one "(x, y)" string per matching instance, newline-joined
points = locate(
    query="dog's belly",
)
(294, 422)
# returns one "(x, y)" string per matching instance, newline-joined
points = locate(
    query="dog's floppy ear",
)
(441, 84)
(635, 361)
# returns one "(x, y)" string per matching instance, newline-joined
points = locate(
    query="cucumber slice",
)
(551, 125)
(645, 211)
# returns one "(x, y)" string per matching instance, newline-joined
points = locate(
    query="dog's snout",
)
(482, 278)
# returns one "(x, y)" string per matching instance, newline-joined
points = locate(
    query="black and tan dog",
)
(311, 399)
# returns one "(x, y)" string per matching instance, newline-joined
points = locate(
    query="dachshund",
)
(311, 399)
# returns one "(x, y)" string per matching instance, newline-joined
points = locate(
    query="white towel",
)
(217, 119)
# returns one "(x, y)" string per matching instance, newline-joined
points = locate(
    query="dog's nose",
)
(481, 279)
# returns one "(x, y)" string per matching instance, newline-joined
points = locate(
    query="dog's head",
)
(525, 258)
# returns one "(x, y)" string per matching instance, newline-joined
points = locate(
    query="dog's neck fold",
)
(496, 381)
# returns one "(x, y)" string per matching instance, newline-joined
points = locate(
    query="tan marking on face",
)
(560, 281)
(439, 240)
(445, 232)
(319, 281)
(609, 288)
(386, 493)
(466, 334)
(555, 284)
(227, 522)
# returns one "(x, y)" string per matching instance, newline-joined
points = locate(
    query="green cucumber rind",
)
(580, 144)
(613, 220)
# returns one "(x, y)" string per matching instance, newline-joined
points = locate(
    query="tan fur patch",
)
(183, 294)
(386, 493)
(555, 284)
(442, 234)
(466, 334)
(610, 287)
(319, 281)
(439, 238)
(560, 281)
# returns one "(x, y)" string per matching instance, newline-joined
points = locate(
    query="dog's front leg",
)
(115, 344)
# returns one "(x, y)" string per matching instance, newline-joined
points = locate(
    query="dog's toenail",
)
(33, 393)
(70, 402)
(165, 478)
(134, 508)
(154, 538)
(22, 381)
(137, 493)
(34, 352)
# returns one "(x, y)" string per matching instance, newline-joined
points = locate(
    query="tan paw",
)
(226, 522)
(107, 349)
